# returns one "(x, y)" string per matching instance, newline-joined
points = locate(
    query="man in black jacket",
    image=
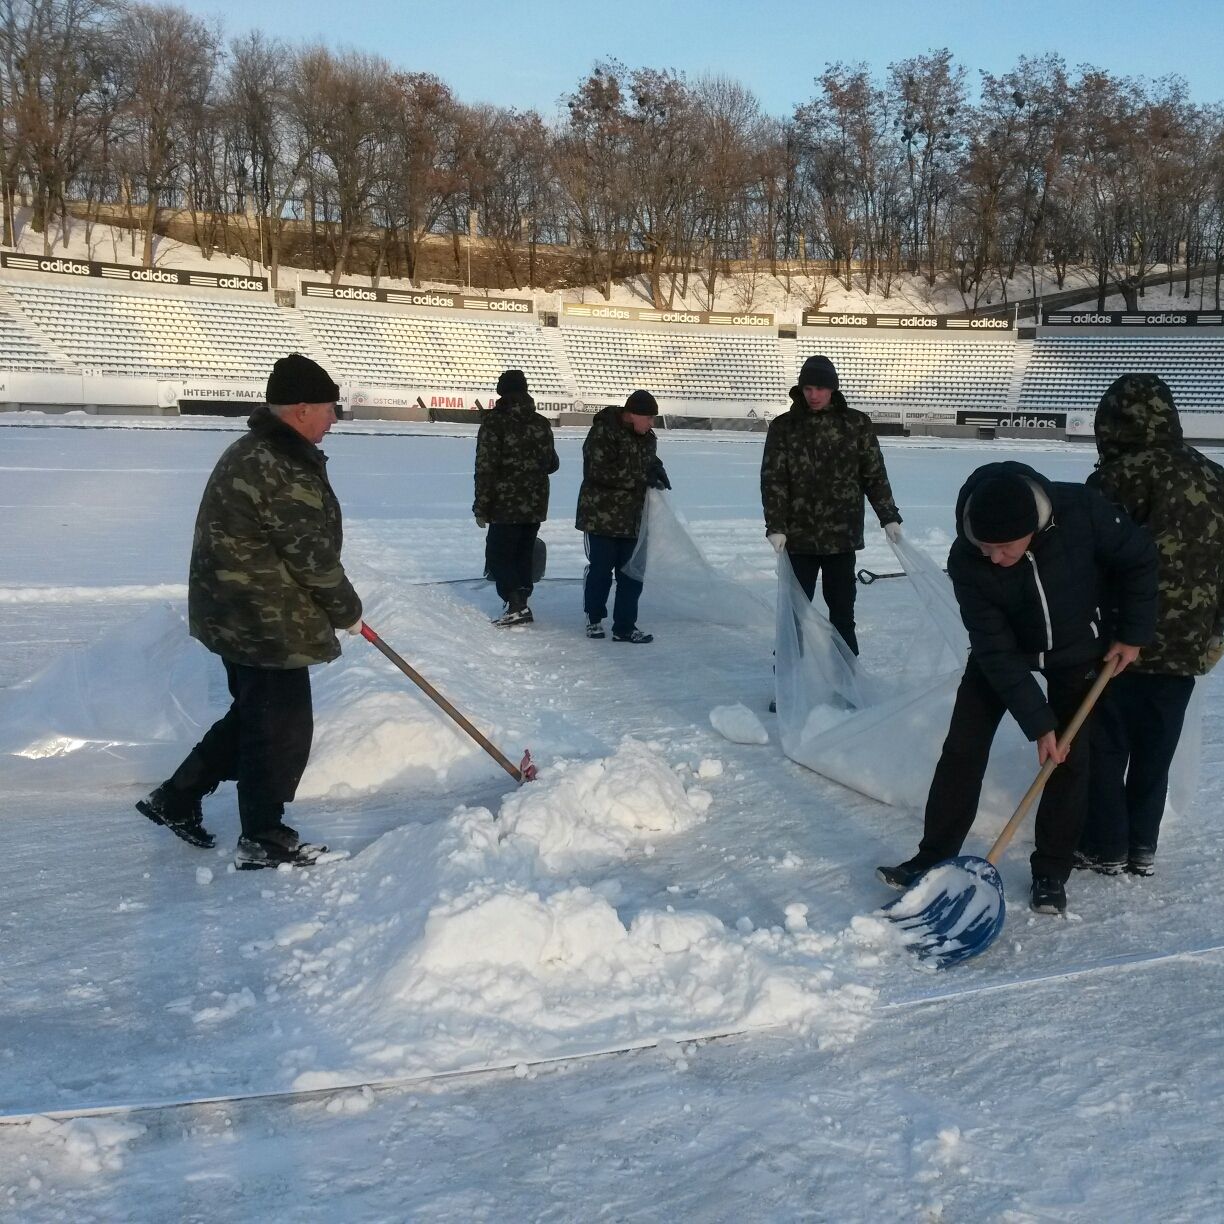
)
(1029, 568)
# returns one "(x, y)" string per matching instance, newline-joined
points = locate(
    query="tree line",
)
(344, 162)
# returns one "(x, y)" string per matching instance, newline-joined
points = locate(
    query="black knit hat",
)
(642, 403)
(298, 380)
(819, 372)
(1001, 509)
(512, 382)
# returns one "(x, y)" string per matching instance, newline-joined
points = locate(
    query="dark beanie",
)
(1001, 509)
(512, 382)
(298, 380)
(818, 372)
(642, 403)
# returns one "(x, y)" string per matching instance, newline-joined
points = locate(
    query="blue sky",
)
(527, 53)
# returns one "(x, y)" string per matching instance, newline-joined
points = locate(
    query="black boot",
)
(517, 612)
(903, 875)
(1048, 896)
(180, 812)
(279, 844)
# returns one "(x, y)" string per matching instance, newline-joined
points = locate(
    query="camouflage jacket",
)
(515, 456)
(618, 466)
(266, 587)
(1165, 484)
(815, 470)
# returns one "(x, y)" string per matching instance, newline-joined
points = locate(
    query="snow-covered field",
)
(661, 881)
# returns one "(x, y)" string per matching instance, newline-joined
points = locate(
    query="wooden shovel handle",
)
(1009, 829)
(432, 693)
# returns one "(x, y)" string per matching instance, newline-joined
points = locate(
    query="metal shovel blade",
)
(952, 912)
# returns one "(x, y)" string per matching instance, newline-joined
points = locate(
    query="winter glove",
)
(656, 477)
(777, 539)
(355, 630)
(893, 532)
(481, 523)
(1215, 651)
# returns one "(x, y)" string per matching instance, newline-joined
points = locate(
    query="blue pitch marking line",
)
(1135, 960)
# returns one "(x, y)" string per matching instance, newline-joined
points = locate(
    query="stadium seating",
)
(21, 351)
(429, 351)
(900, 375)
(608, 362)
(160, 337)
(1070, 373)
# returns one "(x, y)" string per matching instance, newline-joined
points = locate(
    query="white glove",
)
(355, 630)
(481, 523)
(893, 532)
(777, 539)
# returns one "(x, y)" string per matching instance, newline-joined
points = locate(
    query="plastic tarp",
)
(145, 684)
(878, 734)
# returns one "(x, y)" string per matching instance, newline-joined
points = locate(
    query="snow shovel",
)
(955, 910)
(524, 771)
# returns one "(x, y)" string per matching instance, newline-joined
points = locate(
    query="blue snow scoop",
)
(956, 909)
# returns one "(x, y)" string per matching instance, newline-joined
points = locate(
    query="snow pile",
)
(738, 724)
(88, 1145)
(599, 810)
(470, 943)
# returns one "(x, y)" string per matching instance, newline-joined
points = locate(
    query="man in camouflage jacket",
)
(619, 463)
(1178, 494)
(821, 458)
(515, 456)
(267, 593)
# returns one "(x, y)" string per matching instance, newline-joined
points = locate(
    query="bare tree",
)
(339, 103)
(166, 75)
(930, 94)
(422, 150)
(50, 53)
(593, 164)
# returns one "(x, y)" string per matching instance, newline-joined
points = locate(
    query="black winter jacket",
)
(1044, 612)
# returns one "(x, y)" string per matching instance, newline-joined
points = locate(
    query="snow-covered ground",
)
(662, 879)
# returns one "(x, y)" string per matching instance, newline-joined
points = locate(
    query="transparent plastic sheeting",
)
(146, 682)
(880, 735)
(683, 585)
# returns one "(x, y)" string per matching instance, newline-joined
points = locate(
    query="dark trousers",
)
(606, 557)
(263, 741)
(1135, 730)
(509, 552)
(838, 582)
(957, 786)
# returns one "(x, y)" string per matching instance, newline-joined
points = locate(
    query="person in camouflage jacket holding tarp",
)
(619, 463)
(1178, 494)
(515, 456)
(821, 458)
(266, 592)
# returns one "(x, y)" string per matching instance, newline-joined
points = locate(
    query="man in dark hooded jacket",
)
(1030, 565)
(515, 456)
(820, 459)
(266, 592)
(1178, 494)
(620, 463)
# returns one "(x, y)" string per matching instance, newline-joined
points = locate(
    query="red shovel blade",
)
(527, 767)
